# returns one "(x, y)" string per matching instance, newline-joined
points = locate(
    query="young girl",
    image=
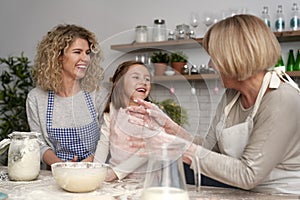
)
(130, 81)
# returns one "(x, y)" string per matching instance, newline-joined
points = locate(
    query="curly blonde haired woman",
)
(67, 104)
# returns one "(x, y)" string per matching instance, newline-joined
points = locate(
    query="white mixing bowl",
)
(79, 176)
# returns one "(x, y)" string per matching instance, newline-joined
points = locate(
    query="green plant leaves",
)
(16, 82)
(177, 113)
(178, 56)
(160, 57)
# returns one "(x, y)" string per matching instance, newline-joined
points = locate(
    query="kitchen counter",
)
(45, 188)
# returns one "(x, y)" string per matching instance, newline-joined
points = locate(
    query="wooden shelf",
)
(185, 77)
(164, 45)
(288, 36)
(294, 73)
(201, 77)
(285, 36)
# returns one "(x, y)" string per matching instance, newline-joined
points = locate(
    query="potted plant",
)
(16, 82)
(177, 113)
(160, 62)
(178, 60)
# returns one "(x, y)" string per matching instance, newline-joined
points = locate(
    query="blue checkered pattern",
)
(76, 141)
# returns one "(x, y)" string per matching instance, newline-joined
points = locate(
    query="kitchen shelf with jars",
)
(284, 36)
(195, 77)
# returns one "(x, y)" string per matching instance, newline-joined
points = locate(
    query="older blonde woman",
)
(67, 104)
(253, 142)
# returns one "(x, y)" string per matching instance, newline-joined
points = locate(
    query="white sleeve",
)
(102, 150)
(128, 166)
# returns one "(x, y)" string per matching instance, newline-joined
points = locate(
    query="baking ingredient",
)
(23, 157)
(79, 177)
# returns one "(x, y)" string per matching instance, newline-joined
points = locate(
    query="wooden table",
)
(45, 188)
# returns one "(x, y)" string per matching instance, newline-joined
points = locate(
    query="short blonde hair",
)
(241, 46)
(47, 69)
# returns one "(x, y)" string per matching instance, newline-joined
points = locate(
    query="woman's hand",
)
(152, 117)
(159, 140)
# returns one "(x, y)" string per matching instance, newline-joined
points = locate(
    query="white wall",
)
(24, 22)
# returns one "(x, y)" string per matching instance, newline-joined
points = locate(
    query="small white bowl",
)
(169, 73)
(79, 176)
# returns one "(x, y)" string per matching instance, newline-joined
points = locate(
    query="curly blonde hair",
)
(47, 69)
(241, 46)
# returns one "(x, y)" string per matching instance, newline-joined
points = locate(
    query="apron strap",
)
(280, 71)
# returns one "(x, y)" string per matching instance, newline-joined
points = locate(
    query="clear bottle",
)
(295, 19)
(280, 21)
(291, 61)
(159, 30)
(165, 178)
(297, 63)
(265, 16)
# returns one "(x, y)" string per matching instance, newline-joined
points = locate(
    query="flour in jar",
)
(23, 157)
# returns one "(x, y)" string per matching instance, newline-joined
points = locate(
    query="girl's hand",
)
(152, 117)
(89, 159)
(111, 176)
(75, 159)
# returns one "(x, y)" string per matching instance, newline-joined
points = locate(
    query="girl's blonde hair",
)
(241, 46)
(47, 69)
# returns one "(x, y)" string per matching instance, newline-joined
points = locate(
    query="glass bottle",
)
(279, 62)
(159, 30)
(297, 63)
(23, 156)
(279, 22)
(265, 16)
(141, 34)
(295, 20)
(291, 61)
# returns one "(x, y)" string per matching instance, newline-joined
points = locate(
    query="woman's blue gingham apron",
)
(78, 141)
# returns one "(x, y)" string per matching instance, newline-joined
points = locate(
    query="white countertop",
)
(45, 188)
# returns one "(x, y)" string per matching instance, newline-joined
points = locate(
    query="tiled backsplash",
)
(200, 106)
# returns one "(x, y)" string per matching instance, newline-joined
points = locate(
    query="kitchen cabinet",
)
(285, 36)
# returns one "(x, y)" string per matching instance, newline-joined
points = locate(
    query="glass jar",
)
(171, 35)
(23, 156)
(159, 30)
(182, 31)
(165, 178)
(141, 34)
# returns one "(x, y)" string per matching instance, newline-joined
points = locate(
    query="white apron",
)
(233, 140)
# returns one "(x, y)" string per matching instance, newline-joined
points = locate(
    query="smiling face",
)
(136, 83)
(76, 60)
